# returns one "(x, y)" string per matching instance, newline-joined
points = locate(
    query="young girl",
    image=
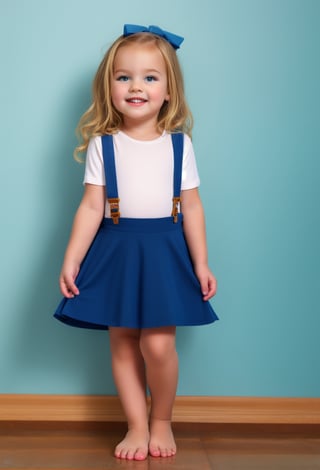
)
(135, 265)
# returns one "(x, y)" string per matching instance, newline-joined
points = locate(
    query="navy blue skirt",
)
(137, 274)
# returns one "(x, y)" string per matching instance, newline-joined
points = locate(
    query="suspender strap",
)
(177, 142)
(110, 176)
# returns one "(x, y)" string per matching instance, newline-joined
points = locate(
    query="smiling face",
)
(139, 85)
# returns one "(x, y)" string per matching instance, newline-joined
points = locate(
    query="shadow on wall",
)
(60, 358)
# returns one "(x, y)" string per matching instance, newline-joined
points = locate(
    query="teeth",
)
(136, 101)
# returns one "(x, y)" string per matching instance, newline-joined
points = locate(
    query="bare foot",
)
(134, 446)
(162, 443)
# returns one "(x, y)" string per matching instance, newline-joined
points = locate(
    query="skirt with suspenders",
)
(137, 272)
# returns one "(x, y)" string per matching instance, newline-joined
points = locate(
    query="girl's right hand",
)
(67, 281)
(85, 225)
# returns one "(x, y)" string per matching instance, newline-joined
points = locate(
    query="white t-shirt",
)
(144, 172)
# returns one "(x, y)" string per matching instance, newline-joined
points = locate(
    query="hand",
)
(207, 281)
(67, 280)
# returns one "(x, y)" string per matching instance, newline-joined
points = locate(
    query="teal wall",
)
(252, 78)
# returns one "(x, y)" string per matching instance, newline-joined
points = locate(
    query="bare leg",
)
(129, 376)
(161, 359)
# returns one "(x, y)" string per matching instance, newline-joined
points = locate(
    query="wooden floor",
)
(200, 447)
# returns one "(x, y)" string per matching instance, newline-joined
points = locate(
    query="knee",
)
(157, 348)
(124, 343)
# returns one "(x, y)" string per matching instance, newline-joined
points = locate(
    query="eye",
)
(122, 78)
(151, 78)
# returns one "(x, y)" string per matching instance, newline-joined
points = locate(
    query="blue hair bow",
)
(173, 39)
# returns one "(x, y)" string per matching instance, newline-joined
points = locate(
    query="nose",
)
(136, 85)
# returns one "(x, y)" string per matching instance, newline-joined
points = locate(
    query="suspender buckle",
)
(114, 209)
(175, 208)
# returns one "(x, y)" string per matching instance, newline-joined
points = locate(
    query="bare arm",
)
(195, 233)
(85, 226)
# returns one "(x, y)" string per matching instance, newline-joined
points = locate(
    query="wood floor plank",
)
(88, 450)
(263, 454)
(72, 447)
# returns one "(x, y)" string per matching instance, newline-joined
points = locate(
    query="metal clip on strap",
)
(175, 208)
(114, 209)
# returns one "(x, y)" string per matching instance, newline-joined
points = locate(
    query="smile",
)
(136, 100)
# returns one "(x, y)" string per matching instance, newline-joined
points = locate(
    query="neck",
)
(141, 131)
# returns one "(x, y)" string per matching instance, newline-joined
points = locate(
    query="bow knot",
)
(173, 39)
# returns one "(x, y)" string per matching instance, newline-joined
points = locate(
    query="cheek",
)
(165, 92)
(116, 94)
(162, 94)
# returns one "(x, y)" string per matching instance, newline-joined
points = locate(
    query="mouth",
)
(136, 100)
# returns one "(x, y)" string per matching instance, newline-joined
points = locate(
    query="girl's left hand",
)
(207, 281)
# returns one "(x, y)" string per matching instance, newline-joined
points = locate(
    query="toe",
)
(164, 452)
(129, 454)
(140, 454)
(155, 452)
(117, 452)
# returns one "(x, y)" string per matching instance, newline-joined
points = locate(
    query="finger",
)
(204, 286)
(65, 291)
(68, 288)
(212, 288)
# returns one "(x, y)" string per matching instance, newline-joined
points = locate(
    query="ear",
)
(167, 98)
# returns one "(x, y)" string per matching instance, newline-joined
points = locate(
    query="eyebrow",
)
(144, 71)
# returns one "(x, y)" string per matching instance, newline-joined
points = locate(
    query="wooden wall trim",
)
(187, 409)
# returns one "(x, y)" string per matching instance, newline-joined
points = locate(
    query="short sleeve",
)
(190, 176)
(94, 171)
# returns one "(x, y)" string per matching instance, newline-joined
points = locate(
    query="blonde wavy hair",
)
(103, 118)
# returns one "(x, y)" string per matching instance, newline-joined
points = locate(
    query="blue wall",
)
(252, 77)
